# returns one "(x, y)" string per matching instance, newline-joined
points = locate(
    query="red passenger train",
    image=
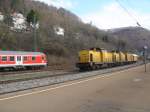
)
(20, 59)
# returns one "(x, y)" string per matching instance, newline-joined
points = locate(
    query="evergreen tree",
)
(32, 17)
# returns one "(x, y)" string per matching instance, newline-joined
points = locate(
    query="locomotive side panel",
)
(122, 57)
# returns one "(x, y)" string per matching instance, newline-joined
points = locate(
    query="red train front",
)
(19, 59)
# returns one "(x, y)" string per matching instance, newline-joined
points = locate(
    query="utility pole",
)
(35, 38)
(145, 49)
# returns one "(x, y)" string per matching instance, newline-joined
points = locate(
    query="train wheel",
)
(97, 67)
(94, 67)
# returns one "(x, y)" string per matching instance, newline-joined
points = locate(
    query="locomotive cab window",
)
(33, 58)
(12, 58)
(4, 58)
(43, 58)
(25, 58)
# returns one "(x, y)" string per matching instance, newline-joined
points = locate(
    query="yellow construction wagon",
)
(88, 59)
(94, 58)
(122, 58)
(135, 57)
(115, 57)
(129, 57)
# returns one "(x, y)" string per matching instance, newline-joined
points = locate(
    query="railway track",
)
(18, 72)
(12, 72)
(4, 79)
(24, 83)
(15, 76)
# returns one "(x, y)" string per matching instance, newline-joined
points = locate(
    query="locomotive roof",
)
(20, 53)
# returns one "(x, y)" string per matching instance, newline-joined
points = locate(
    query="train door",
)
(102, 56)
(19, 60)
(114, 57)
(91, 57)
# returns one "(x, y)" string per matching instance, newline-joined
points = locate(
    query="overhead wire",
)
(128, 12)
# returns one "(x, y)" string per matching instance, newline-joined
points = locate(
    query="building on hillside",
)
(19, 22)
(36, 26)
(59, 30)
(1, 17)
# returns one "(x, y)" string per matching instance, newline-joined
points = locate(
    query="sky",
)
(108, 14)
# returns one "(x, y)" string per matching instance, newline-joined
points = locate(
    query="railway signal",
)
(145, 51)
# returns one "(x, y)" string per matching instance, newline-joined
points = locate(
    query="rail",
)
(34, 82)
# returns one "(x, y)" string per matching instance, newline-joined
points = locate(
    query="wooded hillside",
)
(74, 36)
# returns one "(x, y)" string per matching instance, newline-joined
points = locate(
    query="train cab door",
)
(91, 57)
(19, 60)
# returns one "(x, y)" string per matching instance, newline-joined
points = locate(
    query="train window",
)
(4, 58)
(25, 58)
(33, 58)
(18, 58)
(43, 58)
(12, 58)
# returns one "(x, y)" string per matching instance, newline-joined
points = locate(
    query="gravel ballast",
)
(34, 83)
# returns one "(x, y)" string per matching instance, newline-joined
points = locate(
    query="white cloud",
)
(113, 16)
(68, 4)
